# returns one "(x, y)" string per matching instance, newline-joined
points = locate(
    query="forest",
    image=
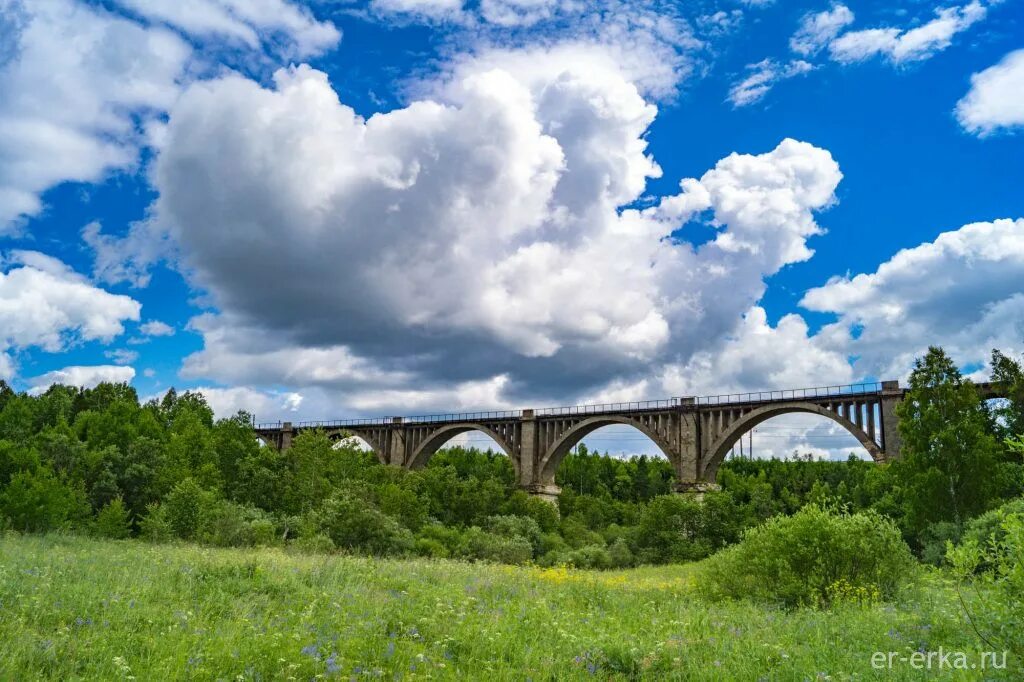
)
(96, 461)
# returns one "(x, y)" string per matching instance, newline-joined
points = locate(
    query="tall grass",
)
(75, 608)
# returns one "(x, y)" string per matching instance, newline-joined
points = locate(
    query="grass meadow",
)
(75, 608)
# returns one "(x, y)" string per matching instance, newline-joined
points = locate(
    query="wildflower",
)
(311, 651)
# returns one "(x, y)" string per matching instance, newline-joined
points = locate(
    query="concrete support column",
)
(396, 444)
(690, 458)
(892, 394)
(287, 432)
(696, 489)
(531, 479)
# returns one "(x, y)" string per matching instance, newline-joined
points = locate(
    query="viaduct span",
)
(695, 433)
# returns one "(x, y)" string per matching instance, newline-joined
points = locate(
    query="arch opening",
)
(587, 428)
(642, 471)
(810, 430)
(361, 441)
(465, 435)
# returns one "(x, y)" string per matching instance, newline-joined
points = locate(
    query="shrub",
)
(186, 507)
(112, 521)
(155, 526)
(987, 529)
(316, 543)
(934, 539)
(810, 557)
(490, 547)
(516, 526)
(591, 556)
(355, 525)
(997, 611)
(228, 524)
(621, 555)
(672, 529)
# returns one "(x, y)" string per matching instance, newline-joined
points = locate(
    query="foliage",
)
(95, 460)
(949, 466)
(35, 501)
(112, 521)
(811, 557)
(995, 570)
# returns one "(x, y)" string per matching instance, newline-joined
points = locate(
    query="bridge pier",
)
(892, 395)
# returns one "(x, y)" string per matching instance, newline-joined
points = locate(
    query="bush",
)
(186, 507)
(592, 556)
(227, 524)
(516, 527)
(934, 539)
(621, 555)
(355, 525)
(112, 521)
(155, 525)
(672, 528)
(987, 529)
(807, 558)
(490, 547)
(997, 567)
(314, 544)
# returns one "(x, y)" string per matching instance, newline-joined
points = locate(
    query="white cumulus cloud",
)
(963, 291)
(45, 304)
(476, 234)
(81, 376)
(996, 98)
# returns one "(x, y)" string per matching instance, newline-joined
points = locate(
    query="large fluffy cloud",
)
(995, 101)
(477, 234)
(83, 87)
(75, 79)
(963, 291)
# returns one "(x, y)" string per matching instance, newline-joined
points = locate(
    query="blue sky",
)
(402, 206)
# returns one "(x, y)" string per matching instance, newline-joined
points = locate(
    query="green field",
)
(74, 608)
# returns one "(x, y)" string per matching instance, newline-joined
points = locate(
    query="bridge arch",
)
(718, 450)
(368, 437)
(568, 440)
(433, 442)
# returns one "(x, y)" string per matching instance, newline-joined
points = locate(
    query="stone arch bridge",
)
(694, 433)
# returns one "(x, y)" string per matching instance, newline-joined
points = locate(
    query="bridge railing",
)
(463, 417)
(635, 406)
(816, 392)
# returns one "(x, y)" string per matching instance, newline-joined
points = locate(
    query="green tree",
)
(38, 501)
(112, 521)
(949, 468)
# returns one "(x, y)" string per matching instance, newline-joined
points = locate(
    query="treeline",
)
(97, 461)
